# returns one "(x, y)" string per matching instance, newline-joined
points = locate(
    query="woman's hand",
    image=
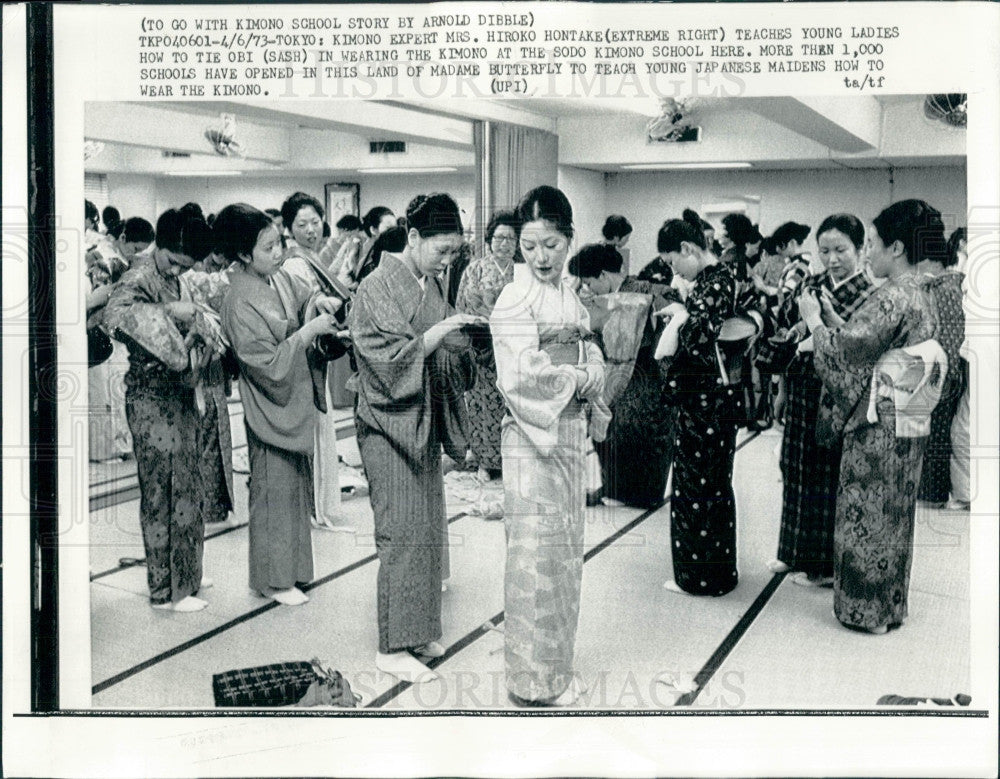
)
(830, 317)
(809, 309)
(438, 332)
(328, 305)
(98, 298)
(671, 311)
(590, 381)
(182, 311)
(324, 324)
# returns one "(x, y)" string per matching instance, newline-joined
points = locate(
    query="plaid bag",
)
(283, 684)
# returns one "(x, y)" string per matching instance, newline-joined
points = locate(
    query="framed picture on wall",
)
(342, 199)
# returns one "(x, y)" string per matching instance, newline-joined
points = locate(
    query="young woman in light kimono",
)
(551, 377)
(169, 434)
(879, 472)
(477, 293)
(702, 505)
(413, 366)
(278, 402)
(301, 281)
(810, 451)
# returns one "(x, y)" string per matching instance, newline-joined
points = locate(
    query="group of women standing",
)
(526, 373)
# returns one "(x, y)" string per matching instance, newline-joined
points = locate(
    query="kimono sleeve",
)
(134, 288)
(470, 298)
(859, 342)
(708, 306)
(535, 390)
(390, 354)
(265, 361)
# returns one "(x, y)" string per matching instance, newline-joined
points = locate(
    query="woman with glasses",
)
(477, 294)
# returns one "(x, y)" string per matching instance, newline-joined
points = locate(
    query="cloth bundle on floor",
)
(899, 700)
(283, 684)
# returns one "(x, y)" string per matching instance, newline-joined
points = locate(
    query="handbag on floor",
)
(283, 684)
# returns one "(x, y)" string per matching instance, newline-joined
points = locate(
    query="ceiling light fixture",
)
(687, 165)
(200, 173)
(408, 170)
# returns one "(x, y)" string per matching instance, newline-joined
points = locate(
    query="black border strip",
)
(129, 672)
(43, 366)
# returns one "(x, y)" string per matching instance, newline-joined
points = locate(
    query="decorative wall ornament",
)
(950, 109)
(92, 149)
(222, 136)
(675, 122)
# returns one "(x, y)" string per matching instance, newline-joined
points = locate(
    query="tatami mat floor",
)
(768, 644)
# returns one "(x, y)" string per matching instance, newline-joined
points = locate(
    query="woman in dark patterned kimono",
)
(477, 294)
(702, 505)
(413, 366)
(879, 471)
(278, 402)
(551, 376)
(169, 434)
(810, 453)
(636, 455)
(944, 283)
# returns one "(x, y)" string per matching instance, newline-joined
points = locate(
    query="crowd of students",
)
(512, 365)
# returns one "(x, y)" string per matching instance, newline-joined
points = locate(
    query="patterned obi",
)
(564, 346)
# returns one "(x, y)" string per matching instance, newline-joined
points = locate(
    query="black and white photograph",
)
(559, 408)
(235, 523)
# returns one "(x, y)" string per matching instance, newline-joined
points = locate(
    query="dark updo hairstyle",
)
(692, 216)
(435, 214)
(193, 210)
(500, 219)
(677, 231)
(549, 204)
(594, 258)
(275, 213)
(237, 228)
(112, 219)
(848, 224)
(348, 223)
(769, 247)
(954, 244)
(917, 226)
(392, 240)
(90, 212)
(616, 226)
(790, 231)
(740, 229)
(371, 220)
(291, 207)
(184, 233)
(138, 230)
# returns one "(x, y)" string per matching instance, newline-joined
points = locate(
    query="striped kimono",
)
(810, 468)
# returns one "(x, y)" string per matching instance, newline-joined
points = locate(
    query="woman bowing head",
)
(551, 377)
(413, 366)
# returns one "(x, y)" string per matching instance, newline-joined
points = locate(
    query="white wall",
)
(586, 192)
(808, 196)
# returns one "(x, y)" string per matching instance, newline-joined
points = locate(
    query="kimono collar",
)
(397, 267)
(834, 284)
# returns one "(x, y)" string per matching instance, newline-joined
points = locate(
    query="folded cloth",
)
(283, 684)
(913, 377)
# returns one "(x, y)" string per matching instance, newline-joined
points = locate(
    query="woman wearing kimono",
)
(944, 283)
(477, 294)
(413, 366)
(636, 455)
(169, 431)
(271, 346)
(810, 452)
(551, 377)
(879, 472)
(702, 505)
(301, 280)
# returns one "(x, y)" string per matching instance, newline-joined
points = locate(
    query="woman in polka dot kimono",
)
(702, 508)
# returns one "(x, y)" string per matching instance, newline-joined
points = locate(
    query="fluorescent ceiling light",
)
(200, 173)
(408, 170)
(685, 165)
